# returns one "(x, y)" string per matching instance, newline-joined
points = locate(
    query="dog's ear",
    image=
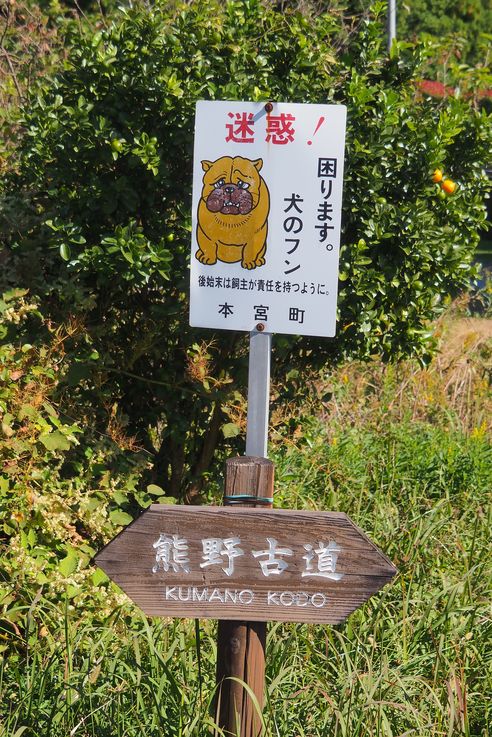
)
(257, 164)
(206, 165)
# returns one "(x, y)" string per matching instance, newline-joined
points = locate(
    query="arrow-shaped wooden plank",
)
(245, 564)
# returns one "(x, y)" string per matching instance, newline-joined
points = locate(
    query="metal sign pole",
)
(391, 22)
(260, 346)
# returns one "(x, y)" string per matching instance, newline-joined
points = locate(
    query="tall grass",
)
(124, 676)
(415, 659)
(413, 469)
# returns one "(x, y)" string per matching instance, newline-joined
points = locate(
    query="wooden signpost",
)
(245, 564)
(244, 567)
(266, 215)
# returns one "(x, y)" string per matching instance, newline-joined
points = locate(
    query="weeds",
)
(413, 471)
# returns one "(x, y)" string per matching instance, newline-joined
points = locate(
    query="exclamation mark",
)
(320, 123)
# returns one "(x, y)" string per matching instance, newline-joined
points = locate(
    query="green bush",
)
(64, 489)
(97, 217)
(469, 23)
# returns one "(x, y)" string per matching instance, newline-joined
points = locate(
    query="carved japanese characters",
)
(172, 555)
(233, 213)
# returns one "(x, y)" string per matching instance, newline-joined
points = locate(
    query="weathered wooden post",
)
(241, 645)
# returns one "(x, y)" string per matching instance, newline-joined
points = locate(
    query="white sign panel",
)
(267, 199)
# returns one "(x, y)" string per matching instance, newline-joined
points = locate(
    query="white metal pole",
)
(391, 22)
(260, 345)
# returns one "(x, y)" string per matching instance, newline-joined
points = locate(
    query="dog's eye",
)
(242, 185)
(220, 183)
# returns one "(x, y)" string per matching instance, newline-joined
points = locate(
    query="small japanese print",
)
(267, 197)
(319, 558)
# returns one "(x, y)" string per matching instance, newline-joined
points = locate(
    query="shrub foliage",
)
(97, 215)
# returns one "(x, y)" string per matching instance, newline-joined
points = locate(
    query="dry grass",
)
(455, 388)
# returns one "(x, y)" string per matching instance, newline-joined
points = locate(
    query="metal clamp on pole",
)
(244, 498)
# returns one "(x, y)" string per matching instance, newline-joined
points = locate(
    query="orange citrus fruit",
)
(448, 186)
(437, 176)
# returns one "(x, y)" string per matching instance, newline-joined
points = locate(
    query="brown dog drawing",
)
(233, 212)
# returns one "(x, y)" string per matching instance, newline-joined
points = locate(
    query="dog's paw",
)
(204, 258)
(253, 263)
(249, 264)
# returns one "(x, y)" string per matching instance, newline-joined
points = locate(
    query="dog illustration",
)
(233, 213)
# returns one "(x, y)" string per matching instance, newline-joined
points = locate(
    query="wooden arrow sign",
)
(245, 564)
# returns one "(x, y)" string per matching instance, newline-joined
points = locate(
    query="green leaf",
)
(120, 497)
(230, 430)
(155, 490)
(118, 517)
(65, 251)
(55, 441)
(68, 564)
(19, 732)
(50, 409)
(99, 577)
(14, 294)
